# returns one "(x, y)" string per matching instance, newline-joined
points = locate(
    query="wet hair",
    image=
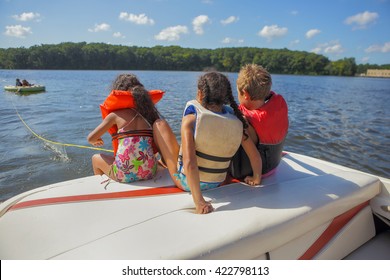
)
(255, 80)
(217, 90)
(143, 103)
(126, 82)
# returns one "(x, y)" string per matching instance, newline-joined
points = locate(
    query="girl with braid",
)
(211, 133)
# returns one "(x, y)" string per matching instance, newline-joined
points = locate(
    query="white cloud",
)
(294, 13)
(316, 50)
(272, 31)
(228, 40)
(229, 20)
(378, 48)
(27, 16)
(118, 35)
(312, 32)
(100, 27)
(333, 47)
(198, 23)
(140, 19)
(295, 42)
(361, 20)
(17, 31)
(171, 33)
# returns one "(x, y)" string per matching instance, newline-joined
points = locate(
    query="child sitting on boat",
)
(134, 157)
(211, 133)
(267, 115)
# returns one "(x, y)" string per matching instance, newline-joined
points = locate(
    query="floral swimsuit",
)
(135, 159)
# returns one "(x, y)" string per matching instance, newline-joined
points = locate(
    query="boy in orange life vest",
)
(267, 115)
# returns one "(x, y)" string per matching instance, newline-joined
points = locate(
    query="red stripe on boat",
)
(98, 196)
(336, 225)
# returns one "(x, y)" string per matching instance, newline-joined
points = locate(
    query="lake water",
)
(339, 119)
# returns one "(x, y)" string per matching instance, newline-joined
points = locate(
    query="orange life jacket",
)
(120, 99)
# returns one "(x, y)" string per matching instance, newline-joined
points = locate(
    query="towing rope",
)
(58, 143)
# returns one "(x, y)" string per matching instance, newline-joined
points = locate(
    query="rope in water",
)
(57, 143)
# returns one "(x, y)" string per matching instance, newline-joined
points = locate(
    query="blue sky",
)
(334, 28)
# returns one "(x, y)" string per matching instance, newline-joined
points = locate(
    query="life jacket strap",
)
(213, 158)
(213, 170)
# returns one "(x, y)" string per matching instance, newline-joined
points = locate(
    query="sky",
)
(336, 29)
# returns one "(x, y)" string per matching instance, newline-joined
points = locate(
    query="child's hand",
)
(253, 180)
(98, 143)
(204, 208)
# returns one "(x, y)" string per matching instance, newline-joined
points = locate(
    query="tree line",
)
(101, 56)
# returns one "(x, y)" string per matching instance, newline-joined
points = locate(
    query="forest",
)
(101, 56)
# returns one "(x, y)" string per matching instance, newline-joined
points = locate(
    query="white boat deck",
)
(301, 211)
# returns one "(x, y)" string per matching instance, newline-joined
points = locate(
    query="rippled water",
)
(339, 119)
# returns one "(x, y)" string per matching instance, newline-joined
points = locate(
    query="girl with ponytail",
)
(135, 158)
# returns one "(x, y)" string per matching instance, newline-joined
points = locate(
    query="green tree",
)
(101, 56)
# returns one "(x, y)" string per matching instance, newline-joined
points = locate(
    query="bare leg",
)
(101, 164)
(167, 145)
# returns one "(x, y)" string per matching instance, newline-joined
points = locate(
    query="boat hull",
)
(307, 209)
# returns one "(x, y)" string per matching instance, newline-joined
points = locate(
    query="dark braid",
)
(213, 85)
(144, 104)
(205, 89)
(216, 89)
(237, 111)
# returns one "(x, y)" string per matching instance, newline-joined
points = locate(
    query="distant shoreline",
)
(101, 56)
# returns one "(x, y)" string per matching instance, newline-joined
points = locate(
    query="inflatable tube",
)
(119, 99)
(25, 89)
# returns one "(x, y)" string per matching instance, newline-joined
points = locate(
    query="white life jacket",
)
(217, 139)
